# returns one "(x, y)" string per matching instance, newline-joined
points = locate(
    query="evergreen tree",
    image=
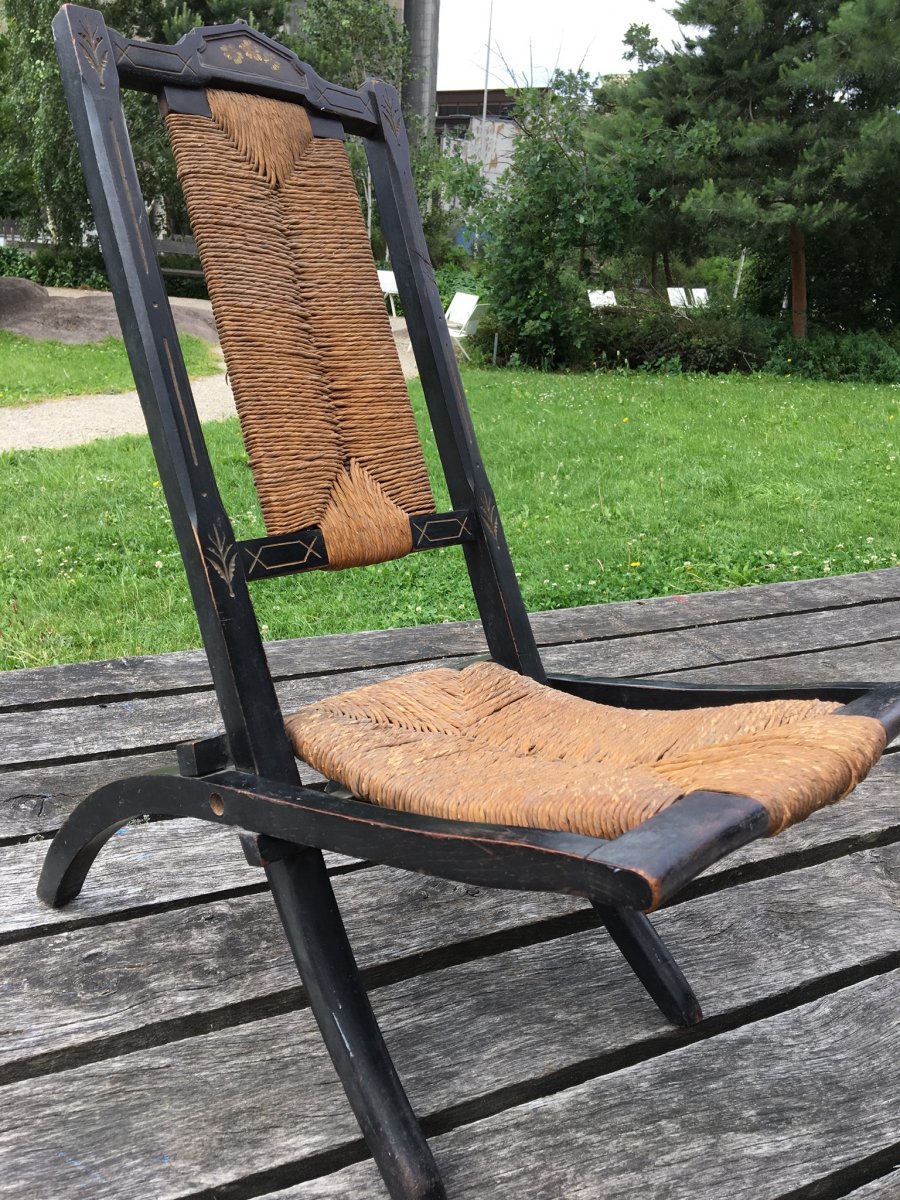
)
(799, 95)
(639, 130)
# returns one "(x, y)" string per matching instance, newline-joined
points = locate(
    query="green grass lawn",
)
(32, 370)
(611, 487)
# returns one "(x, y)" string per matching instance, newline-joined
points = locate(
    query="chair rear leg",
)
(654, 966)
(315, 930)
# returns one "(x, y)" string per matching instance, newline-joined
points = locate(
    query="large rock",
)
(28, 309)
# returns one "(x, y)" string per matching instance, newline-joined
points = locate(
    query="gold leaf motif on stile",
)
(91, 40)
(222, 558)
(421, 250)
(391, 112)
(489, 515)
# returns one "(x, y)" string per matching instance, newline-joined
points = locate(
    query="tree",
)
(861, 272)
(16, 182)
(557, 212)
(792, 90)
(38, 129)
(347, 41)
(449, 190)
(635, 132)
(41, 179)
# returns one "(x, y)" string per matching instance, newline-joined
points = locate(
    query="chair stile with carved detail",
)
(499, 775)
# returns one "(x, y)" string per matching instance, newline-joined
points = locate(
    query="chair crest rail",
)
(226, 56)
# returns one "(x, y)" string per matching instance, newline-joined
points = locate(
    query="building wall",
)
(489, 143)
(459, 123)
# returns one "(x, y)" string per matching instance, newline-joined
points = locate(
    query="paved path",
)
(74, 420)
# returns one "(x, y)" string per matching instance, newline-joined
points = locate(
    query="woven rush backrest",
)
(320, 393)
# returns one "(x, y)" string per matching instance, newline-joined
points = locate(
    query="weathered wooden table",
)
(156, 1042)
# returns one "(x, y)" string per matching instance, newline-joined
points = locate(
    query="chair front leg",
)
(338, 999)
(646, 954)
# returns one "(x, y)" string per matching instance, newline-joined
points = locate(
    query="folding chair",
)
(463, 317)
(387, 281)
(600, 299)
(496, 775)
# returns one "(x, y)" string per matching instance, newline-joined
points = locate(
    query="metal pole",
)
(419, 86)
(487, 71)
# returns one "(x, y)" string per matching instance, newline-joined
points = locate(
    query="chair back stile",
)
(258, 141)
(225, 613)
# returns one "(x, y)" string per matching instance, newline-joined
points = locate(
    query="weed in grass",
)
(32, 369)
(711, 483)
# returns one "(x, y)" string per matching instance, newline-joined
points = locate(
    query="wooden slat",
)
(702, 608)
(48, 734)
(92, 681)
(38, 799)
(876, 662)
(799, 1096)
(187, 670)
(751, 1115)
(885, 1188)
(205, 861)
(60, 733)
(72, 988)
(715, 644)
(198, 1112)
(75, 988)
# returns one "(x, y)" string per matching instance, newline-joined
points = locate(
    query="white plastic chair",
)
(388, 283)
(678, 297)
(602, 299)
(699, 297)
(463, 317)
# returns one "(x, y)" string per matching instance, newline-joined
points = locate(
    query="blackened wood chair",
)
(497, 775)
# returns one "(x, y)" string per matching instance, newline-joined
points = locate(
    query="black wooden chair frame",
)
(248, 777)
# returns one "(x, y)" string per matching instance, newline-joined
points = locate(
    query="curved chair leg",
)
(93, 822)
(654, 966)
(315, 930)
(73, 850)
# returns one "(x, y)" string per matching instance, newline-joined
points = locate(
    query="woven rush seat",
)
(487, 744)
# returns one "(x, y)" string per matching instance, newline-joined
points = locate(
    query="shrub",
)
(867, 357)
(183, 285)
(668, 339)
(453, 277)
(77, 267)
(82, 267)
(555, 212)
